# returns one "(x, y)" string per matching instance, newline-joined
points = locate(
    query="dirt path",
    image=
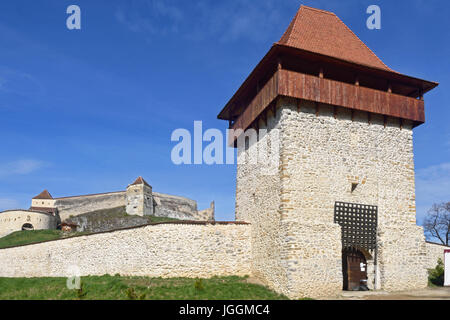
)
(425, 294)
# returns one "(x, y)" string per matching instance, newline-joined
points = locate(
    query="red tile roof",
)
(44, 195)
(323, 32)
(140, 180)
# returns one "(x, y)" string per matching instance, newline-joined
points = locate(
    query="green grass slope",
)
(27, 237)
(92, 222)
(135, 288)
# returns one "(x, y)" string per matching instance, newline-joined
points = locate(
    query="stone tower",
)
(338, 212)
(139, 198)
(44, 202)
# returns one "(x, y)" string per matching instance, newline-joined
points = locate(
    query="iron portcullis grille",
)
(358, 224)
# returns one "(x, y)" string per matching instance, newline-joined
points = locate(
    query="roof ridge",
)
(318, 10)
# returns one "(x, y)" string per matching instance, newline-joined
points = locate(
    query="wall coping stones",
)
(89, 195)
(31, 211)
(183, 222)
(438, 244)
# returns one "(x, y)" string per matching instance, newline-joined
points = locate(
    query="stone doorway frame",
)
(371, 271)
(359, 225)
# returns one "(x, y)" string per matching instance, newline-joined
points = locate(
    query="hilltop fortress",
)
(139, 199)
(337, 213)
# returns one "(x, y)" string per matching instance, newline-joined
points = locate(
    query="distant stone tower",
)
(338, 212)
(139, 198)
(44, 202)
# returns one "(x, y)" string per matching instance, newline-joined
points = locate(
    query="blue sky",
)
(89, 110)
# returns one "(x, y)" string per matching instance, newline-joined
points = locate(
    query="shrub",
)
(131, 294)
(436, 275)
(81, 293)
(199, 285)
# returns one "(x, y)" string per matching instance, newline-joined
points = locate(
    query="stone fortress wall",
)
(77, 205)
(163, 205)
(184, 249)
(180, 208)
(14, 220)
(138, 199)
(434, 252)
(258, 202)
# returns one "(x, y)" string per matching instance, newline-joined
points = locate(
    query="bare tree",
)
(437, 222)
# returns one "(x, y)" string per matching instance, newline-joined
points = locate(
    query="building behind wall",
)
(344, 189)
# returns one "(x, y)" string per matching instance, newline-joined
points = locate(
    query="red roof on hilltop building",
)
(44, 195)
(140, 180)
(323, 32)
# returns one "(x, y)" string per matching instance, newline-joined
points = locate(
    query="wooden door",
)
(354, 269)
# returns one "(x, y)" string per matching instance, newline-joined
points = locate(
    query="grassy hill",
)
(89, 223)
(136, 288)
(28, 237)
(111, 219)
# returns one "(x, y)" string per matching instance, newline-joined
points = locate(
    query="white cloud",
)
(222, 20)
(432, 186)
(21, 167)
(151, 16)
(225, 21)
(18, 82)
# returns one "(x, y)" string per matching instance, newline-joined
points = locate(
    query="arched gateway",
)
(27, 226)
(359, 237)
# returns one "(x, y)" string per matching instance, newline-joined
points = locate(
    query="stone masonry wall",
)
(296, 244)
(434, 252)
(179, 208)
(13, 220)
(163, 250)
(74, 206)
(163, 205)
(321, 158)
(139, 200)
(207, 214)
(258, 202)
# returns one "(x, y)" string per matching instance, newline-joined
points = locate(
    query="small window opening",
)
(247, 143)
